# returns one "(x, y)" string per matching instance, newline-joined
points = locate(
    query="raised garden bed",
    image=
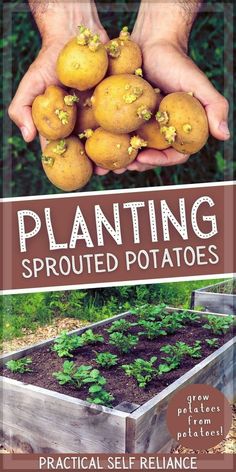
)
(40, 415)
(219, 298)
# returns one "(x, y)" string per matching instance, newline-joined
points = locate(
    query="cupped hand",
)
(167, 66)
(39, 76)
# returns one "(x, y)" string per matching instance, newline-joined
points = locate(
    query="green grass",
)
(21, 164)
(26, 312)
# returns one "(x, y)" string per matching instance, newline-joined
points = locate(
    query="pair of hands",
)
(165, 64)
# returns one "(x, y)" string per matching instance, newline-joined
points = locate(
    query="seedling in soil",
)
(99, 396)
(195, 351)
(64, 345)
(213, 342)
(171, 323)
(106, 359)
(72, 374)
(179, 350)
(80, 376)
(152, 329)
(165, 368)
(88, 337)
(217, 324)
(120, 326)
(95, 377)
(150, 312)
(19, 366)
(124, 343)
(143, 371)
(188, 317)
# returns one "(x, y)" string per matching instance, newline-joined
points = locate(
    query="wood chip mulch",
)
(42, 333)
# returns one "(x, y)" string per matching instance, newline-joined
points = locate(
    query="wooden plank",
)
(216, 302)
(147, 429)
(38, 420)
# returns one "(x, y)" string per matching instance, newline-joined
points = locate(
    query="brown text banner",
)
(117, 237)
(105, 462)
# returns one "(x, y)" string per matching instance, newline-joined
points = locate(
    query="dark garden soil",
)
(124, 388)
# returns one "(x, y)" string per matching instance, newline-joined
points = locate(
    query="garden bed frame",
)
(213, 301)
(43, 421)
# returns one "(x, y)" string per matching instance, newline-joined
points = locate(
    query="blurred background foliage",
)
(210, 40)
(25, 313)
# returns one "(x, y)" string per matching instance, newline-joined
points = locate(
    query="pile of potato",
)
(109, 111)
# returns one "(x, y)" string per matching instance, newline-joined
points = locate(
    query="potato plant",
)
(218, 324)
(99, 396)
(120, 326)
(19, 366)
(164, 368)
(65, 344)
(176, 352)
(106, 359)
(82, 376)
(149, 312)
(171, 323)
(89, 337)
(152, 329)
(124, 343)
(72, 374)
(187, 317)
(95, 377)
(143, 371)
(213, 342)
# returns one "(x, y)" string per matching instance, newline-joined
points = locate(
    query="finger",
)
(104, 37)
(217, 109)
(167, 157)
(20, 108)
(138, 167)
(215, 104)
(120, 171)
(43, 142)
(217, 113)
(100, 171)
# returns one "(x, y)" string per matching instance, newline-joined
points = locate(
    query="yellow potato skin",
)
(151, 133)
(71, 170)
(44, 113)
(109, 150)
(184, 109)
(110, 109)
(85, 115)
(79, 67)
(128, 61)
